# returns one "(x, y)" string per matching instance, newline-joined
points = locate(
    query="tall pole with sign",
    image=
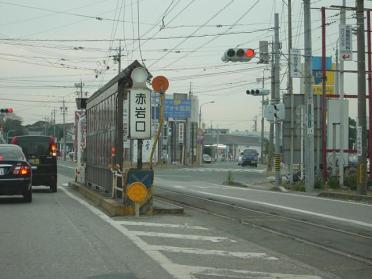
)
(309, 137)
(160, 84)
(277, 156)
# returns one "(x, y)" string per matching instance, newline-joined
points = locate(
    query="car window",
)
(10, 154)
(34, 145)
(250, 152)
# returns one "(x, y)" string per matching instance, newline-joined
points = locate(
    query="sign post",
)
(160, 84)
(296, 63)
(346, 51)
(139, 110)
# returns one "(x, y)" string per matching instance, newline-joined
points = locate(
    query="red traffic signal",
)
(238, 55)
(6, 110)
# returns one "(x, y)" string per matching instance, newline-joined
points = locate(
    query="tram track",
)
(346, 241)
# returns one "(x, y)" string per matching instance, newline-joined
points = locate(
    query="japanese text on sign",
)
(140, 114)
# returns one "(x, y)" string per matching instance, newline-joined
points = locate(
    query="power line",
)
(99, 18)
(195, 31)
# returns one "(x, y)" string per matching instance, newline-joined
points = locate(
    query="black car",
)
(250, 157)
(41, 153)
(15, 172)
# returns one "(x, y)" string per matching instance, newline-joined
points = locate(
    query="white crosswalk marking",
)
(242, 255)
(183, 236)
(223, 170)
(147, 224)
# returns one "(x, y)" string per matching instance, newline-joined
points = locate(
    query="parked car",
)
(41, 153)
(249, 157)
(15, 172)
(207, 158)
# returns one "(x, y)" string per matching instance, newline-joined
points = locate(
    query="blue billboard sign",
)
(177, 109)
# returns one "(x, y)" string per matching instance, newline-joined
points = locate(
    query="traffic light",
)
(238, 55)
(258, 92)
(6, 110)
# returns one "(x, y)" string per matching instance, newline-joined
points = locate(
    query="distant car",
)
(15, 172)
(207, 158)
(249, 157)
(41, 153)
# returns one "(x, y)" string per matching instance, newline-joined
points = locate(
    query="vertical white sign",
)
(310, 120)
(181, 131)
(139, 113)
(295, 63)
(359, 140)
(346, 46)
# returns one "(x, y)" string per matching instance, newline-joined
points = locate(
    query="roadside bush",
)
(333, 182)
(298, 187)
(318, 184)
(351, 181)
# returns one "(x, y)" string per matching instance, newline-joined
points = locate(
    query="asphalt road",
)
(60, 235)
(339, 231)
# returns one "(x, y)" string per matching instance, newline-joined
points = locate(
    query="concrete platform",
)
(114, 208)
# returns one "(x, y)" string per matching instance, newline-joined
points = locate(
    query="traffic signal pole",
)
(277, 157)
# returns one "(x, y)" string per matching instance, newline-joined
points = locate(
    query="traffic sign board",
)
(160, 84)
(137, 192)
(346, 51)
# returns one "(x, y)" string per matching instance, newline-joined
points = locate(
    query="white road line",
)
(177, 271)
(240, 273)
(147, 224)
(183, 236)
(355, 222)
(232, 273)
(242, 255)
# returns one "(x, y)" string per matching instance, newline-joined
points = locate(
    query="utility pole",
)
(290, 91)
(188, 134)
(64, 110)
(262, 118)
(119, 57)
(277, 156)
(341, 93)
(271, 135)
(362, 174)
(309, 109)
(54, 122)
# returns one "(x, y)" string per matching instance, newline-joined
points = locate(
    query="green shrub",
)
(333, 182)
(318, 184)
(351, 181)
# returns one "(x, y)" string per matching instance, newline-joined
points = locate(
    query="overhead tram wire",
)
(138, 32)
(112, 35)
(194, 32)
(99, 18)
(170, 21)
(158, 21)
(217, 36)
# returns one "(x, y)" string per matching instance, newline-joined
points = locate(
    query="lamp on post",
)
(200, 149)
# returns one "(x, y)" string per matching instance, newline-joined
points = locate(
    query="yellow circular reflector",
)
(137, 191)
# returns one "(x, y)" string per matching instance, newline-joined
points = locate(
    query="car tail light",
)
(53, 147)
(22, 170)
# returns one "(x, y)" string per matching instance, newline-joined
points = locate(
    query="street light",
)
(200, 149)
(200, 110)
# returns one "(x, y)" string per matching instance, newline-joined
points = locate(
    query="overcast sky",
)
(47, 46)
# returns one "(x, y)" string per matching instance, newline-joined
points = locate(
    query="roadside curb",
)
(344, 196)
(114, 208)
